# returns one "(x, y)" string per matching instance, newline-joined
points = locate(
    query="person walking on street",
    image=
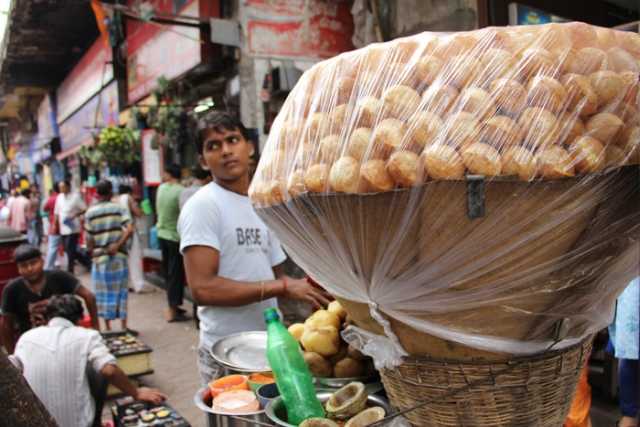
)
(168, 210)
(233, 262)
(624, 335)
(108, 229)
(34, 228)
(53, 234)
(131, 208)
(68, 367)
(201, 178)
(68, 209)
(20, 212)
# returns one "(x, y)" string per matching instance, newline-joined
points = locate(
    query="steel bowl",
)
(276, 412)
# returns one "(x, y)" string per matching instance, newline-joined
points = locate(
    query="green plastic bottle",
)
(291, 372)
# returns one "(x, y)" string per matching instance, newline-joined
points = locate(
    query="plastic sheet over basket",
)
(466, 194)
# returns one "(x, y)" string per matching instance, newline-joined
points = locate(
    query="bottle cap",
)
(271, 314)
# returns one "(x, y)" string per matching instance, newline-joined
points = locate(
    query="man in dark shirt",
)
(24, 299)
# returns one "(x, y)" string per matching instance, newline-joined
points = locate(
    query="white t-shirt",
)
(227, 222)
(68, 205)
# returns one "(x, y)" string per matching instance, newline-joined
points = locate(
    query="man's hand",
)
(37, 312)
(301, 289)
(112, 249)
(150, 395)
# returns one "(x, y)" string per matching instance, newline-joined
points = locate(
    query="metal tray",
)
(324, 382)
(200, 403)
(275, 409)
(243, 352)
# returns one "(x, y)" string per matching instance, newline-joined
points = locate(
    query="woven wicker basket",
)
(532, 391)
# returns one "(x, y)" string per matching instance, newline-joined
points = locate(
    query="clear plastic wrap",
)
(466, 194)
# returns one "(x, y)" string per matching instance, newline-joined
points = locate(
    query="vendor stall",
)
(473, 201)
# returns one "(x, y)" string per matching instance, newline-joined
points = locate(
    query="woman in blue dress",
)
(625, 337)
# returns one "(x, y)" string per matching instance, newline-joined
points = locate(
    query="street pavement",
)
(174, 358)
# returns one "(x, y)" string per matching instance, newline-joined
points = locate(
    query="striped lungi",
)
(109, 280)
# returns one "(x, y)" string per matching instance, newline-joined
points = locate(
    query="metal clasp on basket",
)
(475, 196)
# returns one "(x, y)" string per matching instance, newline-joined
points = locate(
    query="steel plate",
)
(242, 352)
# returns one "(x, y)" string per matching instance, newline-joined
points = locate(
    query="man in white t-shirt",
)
(233, 262)
(69, 207)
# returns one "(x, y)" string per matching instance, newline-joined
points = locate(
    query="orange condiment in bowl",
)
(228, 383)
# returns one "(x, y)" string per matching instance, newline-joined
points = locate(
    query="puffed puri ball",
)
(482, 159)
(520, 162)
(404, 169)
(375, 177)
(345, 175)
(587, 154)
(443, 162)
(400, 102)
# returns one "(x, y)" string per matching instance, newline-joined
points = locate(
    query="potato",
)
(604, 127)
(482, 159)
(608, 85)
(316, 179)
(354, 353)
(581, 97)
(296, 330)
(324, 340)
(318, 365)
(587, 154)
(403, 168)
(348, 368)
(554, 162)
(443, 162)
(508, 95)
(323, 318)
(520, 162)
(341, 354)
(375, 177)
(336, 308)
(344, 176)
